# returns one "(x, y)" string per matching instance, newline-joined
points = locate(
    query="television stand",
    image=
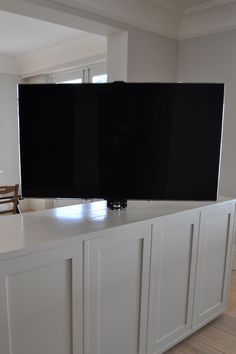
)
(115, 204)
(147, 277)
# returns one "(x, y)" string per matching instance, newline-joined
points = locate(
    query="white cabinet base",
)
(173, 264)
(116, 292)
(41, 306)
(214, 262)
(85, 280)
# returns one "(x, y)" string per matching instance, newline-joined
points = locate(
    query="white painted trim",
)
(76, 72)
(60, 14)
(207, 5)
(188, 10)
(168, 5)
(211, 12)
(70, 66)
(165, 19)
(177, 31)
(209, 32)
(80, 64)
(210, 21)
(148, 15)
(122, 20)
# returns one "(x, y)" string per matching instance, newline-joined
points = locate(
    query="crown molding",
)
(93, 16)
(191, 9)
(181, 33)
(120, 21)
(213, 20)
(205, 6)
(207, 32)
(168, 5)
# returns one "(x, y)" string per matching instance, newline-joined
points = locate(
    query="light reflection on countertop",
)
(79, 212)
(35, 231)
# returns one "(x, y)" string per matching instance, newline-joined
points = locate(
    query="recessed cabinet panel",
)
(213, 267)
(117, 286)
(214, 248)
(38, 294)
(174, 275)
(40, 302)
(174, 246)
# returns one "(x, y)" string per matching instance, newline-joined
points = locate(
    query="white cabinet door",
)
(173, 263)
(41, 303)
(215, 242)
(116, 292)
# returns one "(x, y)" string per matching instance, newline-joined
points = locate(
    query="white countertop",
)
(36, 231)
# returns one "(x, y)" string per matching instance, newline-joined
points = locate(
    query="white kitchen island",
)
(87, 280)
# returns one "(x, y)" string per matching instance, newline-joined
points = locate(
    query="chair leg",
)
(18, 211)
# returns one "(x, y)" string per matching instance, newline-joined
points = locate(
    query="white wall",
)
(8, 65)
(151, 57)
(9, 159)
(137, 55)
(212, 59)
(62, 55)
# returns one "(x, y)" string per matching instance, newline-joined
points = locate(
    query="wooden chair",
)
(9, 197)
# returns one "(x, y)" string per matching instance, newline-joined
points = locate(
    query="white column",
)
(117, 56)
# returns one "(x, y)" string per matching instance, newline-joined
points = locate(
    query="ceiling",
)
(177, 19)
(20, 34)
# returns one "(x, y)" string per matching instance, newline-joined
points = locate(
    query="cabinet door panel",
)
(117, 281)
(215, 241)
(42, 303)
(173, 261)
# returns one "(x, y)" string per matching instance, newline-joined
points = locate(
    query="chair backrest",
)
(9, 197)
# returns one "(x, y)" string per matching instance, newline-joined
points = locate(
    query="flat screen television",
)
(147, 141)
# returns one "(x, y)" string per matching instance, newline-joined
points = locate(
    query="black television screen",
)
(151, 141)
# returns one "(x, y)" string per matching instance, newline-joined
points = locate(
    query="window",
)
(94, 73)
(76, 81)
(99, 79)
